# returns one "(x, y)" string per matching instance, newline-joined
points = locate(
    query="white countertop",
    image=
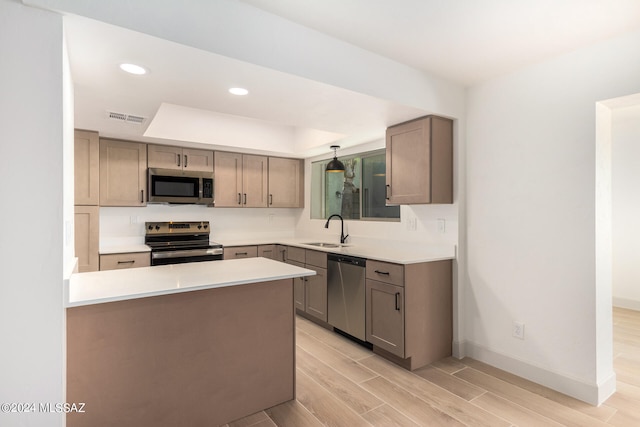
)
(121, 249)
(117, 285)
(396, 252)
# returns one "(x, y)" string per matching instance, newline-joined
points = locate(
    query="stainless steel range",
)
(180, 242)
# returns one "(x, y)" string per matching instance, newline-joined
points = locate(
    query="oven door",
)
(180, 256)
(169, 186)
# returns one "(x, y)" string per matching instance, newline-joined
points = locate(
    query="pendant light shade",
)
(335, 165)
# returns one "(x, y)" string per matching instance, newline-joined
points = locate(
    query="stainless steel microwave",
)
(186, 187)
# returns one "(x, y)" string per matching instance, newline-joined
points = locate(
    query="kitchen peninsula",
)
(187, 344)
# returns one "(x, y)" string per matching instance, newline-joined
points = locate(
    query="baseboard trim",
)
(631, 304)
(592, 393)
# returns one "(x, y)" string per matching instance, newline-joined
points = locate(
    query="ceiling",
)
(184, 96)
(466, 41)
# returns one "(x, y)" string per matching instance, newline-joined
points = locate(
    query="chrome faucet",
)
(343, 238)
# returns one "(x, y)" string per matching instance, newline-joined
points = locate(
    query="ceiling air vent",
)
(128, 118)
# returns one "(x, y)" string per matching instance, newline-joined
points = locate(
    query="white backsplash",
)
(124, 225)
(419, 224)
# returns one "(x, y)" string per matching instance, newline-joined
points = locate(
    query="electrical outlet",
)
(518, 330)
(412, 224)
(270, 217)
(441, 225)
(133, 220)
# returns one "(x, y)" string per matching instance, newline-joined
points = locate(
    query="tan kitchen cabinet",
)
(409, 311)
(125, 260)
(86, 240)
(86, 199)
(310, 293)
(240, 180)
(234, 252)
(123, 167)
(385, 316)
(86, 168)
(178, 158)
(268, 251)
(286, 183)
(419, 162)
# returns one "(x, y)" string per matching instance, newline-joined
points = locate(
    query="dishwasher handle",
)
(344, 259)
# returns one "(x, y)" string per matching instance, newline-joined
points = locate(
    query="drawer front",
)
(295, 254)
(126, 260)
(234, 252)
(385, 272)
(267, 251)
(316, 258)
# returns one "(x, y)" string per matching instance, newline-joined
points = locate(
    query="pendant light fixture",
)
(335, 165)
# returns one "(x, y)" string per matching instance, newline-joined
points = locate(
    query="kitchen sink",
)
(326, 245)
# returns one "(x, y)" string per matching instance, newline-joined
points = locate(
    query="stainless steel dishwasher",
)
(346, 294)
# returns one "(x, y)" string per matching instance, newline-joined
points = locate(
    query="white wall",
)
(626, 207)
(531, 175)
(31, 190)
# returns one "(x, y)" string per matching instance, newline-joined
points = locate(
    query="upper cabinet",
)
(240, 180)
(286, 183)
(419, 161)
(123, 167)
(177, 158)
(86, 168)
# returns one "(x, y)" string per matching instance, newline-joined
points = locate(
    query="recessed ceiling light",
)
(240, 91)
(133, 69)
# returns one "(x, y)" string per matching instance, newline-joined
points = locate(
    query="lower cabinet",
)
(267, 251)
(385, 316)
(310, 293)
(234, 252)
(125, 260)
(409, 311)
(87, 234)
(315, 296)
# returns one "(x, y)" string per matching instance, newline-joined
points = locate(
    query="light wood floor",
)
(342, 384)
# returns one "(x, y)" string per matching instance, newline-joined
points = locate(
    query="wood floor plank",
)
(251, 420)
(627, 369)
(449, 365)
(338, 361)
(450, 383)
(352, 395)
(292, 414)
(387, 416)
(516, 414)
(327, 408)
(602, 412)
(416, 409)
(444, 401)
(532, 401)
(334, 340)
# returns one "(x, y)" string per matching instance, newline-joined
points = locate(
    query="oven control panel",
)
(172, 227)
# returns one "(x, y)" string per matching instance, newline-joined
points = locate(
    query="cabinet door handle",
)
(178, 159)
(241, 253)
(186, 159)
(141, 196)
(245, 198)
(386, 273)
(267, 250)
(239, 198)
(388, 191)
(270, 199)
(398, 301)
(127, 262)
